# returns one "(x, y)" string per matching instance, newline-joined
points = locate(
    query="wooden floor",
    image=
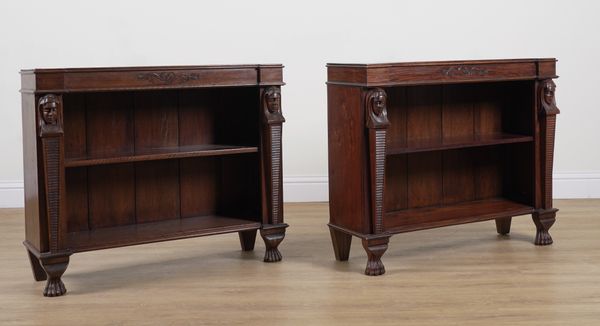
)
(461, 275)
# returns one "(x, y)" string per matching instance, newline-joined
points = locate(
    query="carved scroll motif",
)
(168, 78)
(377, 123)
(273, 120)
(50, 124)
(464, 71)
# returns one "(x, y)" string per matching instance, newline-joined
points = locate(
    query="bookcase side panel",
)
(347, 159)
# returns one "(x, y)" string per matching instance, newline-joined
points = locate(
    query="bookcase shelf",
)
(427, 145)
(169, 229)
(125, 156)
(164, 154)
(420, 145)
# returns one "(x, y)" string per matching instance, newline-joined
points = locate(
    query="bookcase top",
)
(440, 72)
(65, 80)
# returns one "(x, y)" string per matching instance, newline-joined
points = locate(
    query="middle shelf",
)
(163, 153)
(425, 145)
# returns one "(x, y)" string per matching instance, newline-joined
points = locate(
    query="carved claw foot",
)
(54, 287)
(55, 266)
(544, 219)
(375, 248)
(542, 238)
(273, 235)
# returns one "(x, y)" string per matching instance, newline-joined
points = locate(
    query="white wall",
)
(305, 36)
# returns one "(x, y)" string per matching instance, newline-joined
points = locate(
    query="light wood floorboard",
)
(460, 275)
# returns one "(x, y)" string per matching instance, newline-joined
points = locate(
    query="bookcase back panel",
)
(439, 178)
(125, 194)
(113, 124)
(445, 114)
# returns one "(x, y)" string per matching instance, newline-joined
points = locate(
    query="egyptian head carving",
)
(48, 106)
(376, 102)
(273, 99)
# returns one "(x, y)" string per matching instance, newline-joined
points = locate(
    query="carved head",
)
(378, 102)
(273, 99)
(48, 109)
(549, 88)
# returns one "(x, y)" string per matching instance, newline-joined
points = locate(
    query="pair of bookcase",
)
(124, 156)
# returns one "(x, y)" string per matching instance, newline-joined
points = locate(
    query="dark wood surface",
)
(168, 229)
(456, 141)
(125, 156)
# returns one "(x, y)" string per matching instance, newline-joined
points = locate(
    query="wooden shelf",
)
(427, 145)
(127, 235)
(164, 153)
(460, 213)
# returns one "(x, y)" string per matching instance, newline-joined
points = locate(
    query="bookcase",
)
(124, 156)
(421, 145)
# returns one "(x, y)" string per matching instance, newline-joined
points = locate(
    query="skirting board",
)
(315, 189)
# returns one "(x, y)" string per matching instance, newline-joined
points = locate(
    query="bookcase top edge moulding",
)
(420, 145)
(131, 155)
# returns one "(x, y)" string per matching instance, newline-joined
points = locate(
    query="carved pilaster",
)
(272, 162)
(547, 115)
(50, 121)
(377, 123)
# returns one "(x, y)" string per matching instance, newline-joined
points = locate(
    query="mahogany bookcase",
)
(124, 156)
(421, 145)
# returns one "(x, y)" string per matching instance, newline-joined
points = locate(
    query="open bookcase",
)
(126, 156)
(422, 145)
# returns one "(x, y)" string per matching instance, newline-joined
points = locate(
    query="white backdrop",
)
(304, 36)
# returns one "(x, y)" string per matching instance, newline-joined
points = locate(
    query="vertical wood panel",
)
(197, 117)
(424, 179)
(459, 177)
(156, 120)
(74, 124)
(77, 199)
(111, 195)
(396, 183)
(457, 113)
(487, 109)
(239, 186)
(488, 173)
(157, 191)
(109, 124)
(198, 179)
(396, 109)
(347, 158)
(423, 114)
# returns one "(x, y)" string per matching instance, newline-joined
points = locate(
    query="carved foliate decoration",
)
(271, 101)
(464, 71)
(547, 98)
(50, 117)
(376, 106)
(168, 78)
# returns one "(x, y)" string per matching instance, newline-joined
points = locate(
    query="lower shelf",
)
(127, 235)
(460, 213)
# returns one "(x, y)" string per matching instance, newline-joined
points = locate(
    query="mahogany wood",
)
(125, 156)
(420, 145)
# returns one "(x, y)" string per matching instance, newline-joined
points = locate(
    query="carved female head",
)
(48, 109)
(273, 99)
(549, 88)
(378, 102)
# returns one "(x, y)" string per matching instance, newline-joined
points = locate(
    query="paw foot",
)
(543, 238)
(272, 255)
(374, 268)
(54, 288)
